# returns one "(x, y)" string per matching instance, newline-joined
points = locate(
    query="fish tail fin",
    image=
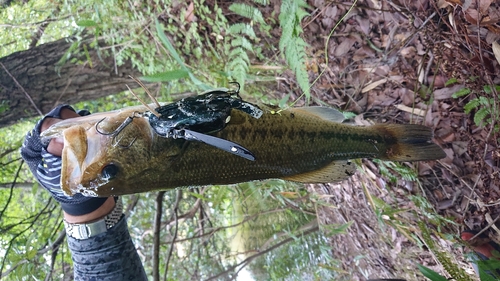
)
(410, 142)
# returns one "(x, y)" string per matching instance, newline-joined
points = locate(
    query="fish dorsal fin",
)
(335, 171)
(323, 112)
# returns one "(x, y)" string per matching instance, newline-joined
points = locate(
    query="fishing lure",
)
(194, 118)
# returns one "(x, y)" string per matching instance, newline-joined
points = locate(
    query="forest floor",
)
(401, 62)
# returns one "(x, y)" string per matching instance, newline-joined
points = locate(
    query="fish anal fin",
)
(333, 172)
(322, 112)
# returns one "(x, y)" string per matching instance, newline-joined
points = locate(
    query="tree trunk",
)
(48, 82)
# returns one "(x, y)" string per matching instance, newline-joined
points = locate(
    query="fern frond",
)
(481, 115)
(242, 28)
(471, 105)
(461, 93)
(242, 42)
(239, 62)
(236, 54)
(291, 44)
(238, 65)
(261, 2)
(247, 11)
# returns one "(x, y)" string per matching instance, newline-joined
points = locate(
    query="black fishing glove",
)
(47, 169)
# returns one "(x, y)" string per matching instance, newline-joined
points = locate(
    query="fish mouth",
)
(82, 147)
(89, 148)
(92, 189)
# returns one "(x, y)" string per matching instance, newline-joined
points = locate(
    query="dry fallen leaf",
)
(466, 5)
(344, 47)
(496, 50)
(444, 3)
(472, 16)
(373, 85)
(484, 5)
(416, 111)
(189, 17)
(446, 93)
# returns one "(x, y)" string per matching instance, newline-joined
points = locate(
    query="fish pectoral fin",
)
(322, 112)
(335, 171)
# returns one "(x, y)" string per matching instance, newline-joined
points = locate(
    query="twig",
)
(11, 161)
(214, 230)
(131, 206)
(174, 215)
(9, 150)
(35, 23)
(10, 194)
(187, 215)
(17, 185)
(145, 89)
(41, 29)
(249, 259)
(30, 227)
(24, 91)
(156, 236)
(54, 246)
(53, 256)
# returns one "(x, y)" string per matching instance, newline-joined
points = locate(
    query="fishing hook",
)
(237, 92)
(120, 128)
(117, 143)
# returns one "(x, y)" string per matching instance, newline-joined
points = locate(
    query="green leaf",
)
(480, 116)
(199, 196)
(4, 106)
(348, 114)
(166, 76)
(177, 58)
(168, 45)
(431, 274)
(198, 83)
(472, 104)
(31, 254)
(451, 82)
(284, 100)
(86, 23)
(488, 88)
(335, 229)
(461, 93)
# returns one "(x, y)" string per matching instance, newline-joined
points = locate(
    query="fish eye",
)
(109, 171)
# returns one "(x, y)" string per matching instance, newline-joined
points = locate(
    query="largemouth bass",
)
(308, 144)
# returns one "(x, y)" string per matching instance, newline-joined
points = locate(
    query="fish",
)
(300, 144)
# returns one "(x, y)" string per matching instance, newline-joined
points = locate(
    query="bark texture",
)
(49, 83)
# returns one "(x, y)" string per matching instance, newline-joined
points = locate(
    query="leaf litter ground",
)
(389, 61)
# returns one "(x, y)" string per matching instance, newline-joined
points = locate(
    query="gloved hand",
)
(44, 161)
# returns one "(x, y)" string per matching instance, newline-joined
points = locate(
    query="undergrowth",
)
(484, 105)
(420, 223)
